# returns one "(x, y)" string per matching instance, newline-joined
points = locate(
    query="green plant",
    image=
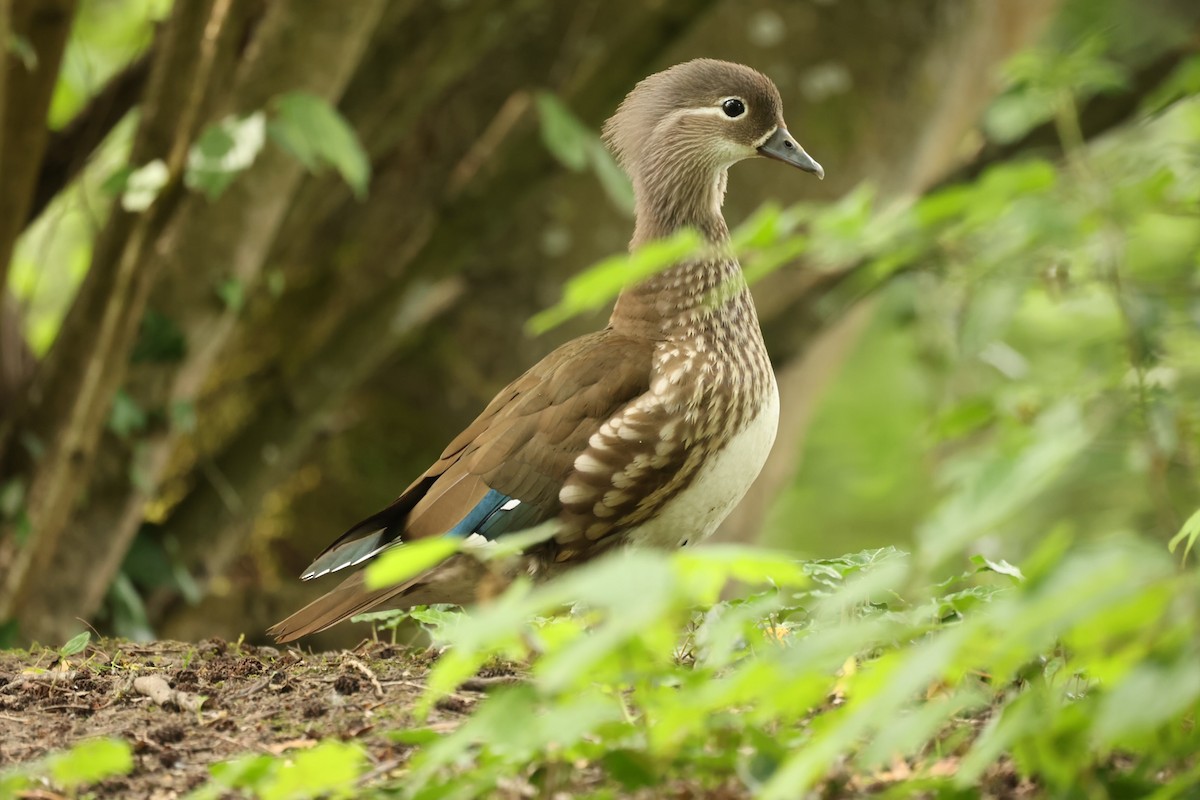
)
(84, 764)
(637, 674)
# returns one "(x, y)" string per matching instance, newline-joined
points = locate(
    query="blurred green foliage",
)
(1075, 671)
(82, 765)
(53, 255)
(1036, 288)
(1034, 352)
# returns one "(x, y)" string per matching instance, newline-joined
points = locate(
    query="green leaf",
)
(398, 564)
(567, 139)
(159, 340)
(331, 767)
(126, 417)
(129, 617)
(415, 736)
(1189, 532)
(1001, 567)
(990, 492)
(12, 498)
(749, 565)
(435, 618)
(1147, 699)
(313, 131)
(114, 185)
(632, 769)
(76, 644)
(143, 185)
(232, 293)
(246, 772)
(395, 615)
(600, 284)
(23, 49)
(576, 146)
(276, 282)
(223, 151)
(91, 761)
(613, 180)
(964, 418)
(183, 416)
(513, 543)
(1183, 82)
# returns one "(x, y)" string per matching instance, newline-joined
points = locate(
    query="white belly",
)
(722, 481)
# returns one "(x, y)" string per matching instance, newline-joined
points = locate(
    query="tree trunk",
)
(44, 26)
(26, 87)
(71, 394)
(308, 47)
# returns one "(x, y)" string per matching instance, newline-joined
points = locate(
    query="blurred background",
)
(263, 259)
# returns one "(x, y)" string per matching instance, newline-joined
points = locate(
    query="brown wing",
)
(524, 445)
(642, 456)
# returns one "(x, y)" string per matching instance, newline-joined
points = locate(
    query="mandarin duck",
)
(645, 433)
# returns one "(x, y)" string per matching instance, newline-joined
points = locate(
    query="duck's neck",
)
(667, 203)
(671, 201)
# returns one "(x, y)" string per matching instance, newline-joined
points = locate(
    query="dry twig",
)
(365, 670)
(160, 692)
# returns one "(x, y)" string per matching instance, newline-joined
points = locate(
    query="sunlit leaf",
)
(76, 644)
(331, 767)
(1183, 82)
(599, 285)
(314, 132)
(91, 761)
(143, 185)
(398, 564)
(223, 151)
(1187, 535)
(999, 566)
(989, 493)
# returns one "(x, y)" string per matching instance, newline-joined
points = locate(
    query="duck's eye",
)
(733, 107)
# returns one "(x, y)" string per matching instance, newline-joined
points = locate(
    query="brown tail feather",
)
(349, 598)
(456, 581)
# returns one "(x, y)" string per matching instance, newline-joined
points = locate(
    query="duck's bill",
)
(782, 147)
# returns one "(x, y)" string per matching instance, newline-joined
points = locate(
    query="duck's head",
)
(702, 116)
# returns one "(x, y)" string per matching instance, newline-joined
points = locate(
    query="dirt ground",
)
(256, 699)
(186, 706)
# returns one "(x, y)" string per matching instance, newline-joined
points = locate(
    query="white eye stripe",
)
(763, 139)
(706, 111)
(712, 111)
